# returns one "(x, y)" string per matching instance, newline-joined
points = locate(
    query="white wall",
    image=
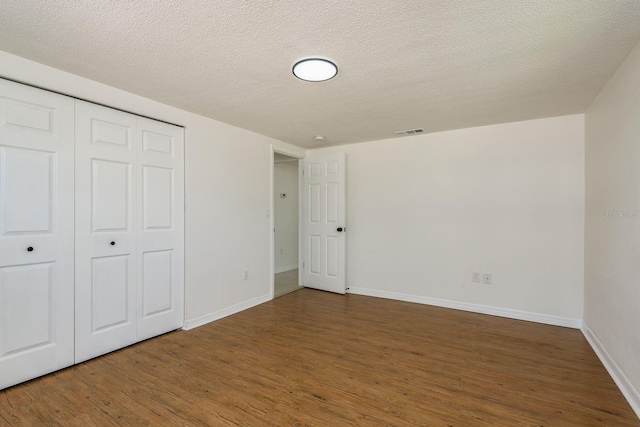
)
(612, 233)
(285, 180)
(424, 212)
(227, 180)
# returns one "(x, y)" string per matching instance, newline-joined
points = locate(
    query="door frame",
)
(272, 258)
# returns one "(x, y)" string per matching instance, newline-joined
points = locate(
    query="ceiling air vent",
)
(409, 132)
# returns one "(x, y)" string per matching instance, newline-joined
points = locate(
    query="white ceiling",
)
(437, 65)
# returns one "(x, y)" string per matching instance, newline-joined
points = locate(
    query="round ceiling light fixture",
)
(315, 69)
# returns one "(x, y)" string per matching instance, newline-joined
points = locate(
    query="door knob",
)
(30, 249)
(113, 243)
(339, 229)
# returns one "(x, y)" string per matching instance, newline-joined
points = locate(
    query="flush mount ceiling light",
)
(315, 69)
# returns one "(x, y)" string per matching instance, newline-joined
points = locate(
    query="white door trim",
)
(272, 256)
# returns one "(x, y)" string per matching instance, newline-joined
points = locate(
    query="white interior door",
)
(160, 253)
(324, 225)
(105, 230)
(36, 232)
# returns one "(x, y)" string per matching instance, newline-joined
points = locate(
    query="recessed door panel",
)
(332, 256)
(155, 142)
(315, 244)
(332, 167)
(26, 190)
(111, 206)
(26, 116)
(36, 232)
(156, 280)
(109, 292)
(157, 192)
(331, 192)
(315, 169)
(114, 134)
(314, 203)
(26, 319)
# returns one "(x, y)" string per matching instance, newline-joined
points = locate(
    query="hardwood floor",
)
(319, 359)
(286, 282)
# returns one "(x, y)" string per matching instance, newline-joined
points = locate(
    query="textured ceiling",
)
(435, 65)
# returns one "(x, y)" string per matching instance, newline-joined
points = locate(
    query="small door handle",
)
(30, 249)
(113, 243)
(339, 229)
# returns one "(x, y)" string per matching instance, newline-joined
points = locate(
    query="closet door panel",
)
(28, 288)
(110, 188)
(156, 282)
(157, 203)
(161, 219)
(30, 211)
(106, 190)
(36, 232)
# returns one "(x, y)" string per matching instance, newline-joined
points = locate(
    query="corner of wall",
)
(628, 390)
(227, 311)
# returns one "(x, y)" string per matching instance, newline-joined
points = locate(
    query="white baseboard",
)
(286, 268)
(216, 315)
(548, 319)
(628, 390)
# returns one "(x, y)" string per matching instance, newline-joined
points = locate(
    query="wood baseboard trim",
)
(475, 308)
(628, 390)
(216, 315)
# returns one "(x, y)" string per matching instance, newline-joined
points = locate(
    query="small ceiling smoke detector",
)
(409, 132)
(318, 138)
(315, 69)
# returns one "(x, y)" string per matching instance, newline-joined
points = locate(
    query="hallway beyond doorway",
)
(286, 282)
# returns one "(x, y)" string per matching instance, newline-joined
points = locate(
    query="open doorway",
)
(286, 224)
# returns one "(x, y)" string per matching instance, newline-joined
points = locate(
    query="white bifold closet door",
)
(36, 232)
(129, 229)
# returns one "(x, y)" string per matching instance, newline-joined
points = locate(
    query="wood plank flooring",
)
(311, 358)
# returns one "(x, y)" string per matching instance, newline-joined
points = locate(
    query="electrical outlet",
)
(267, 213)
(486, 278)
(245, 275)
(475, 276)
(281, 251)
